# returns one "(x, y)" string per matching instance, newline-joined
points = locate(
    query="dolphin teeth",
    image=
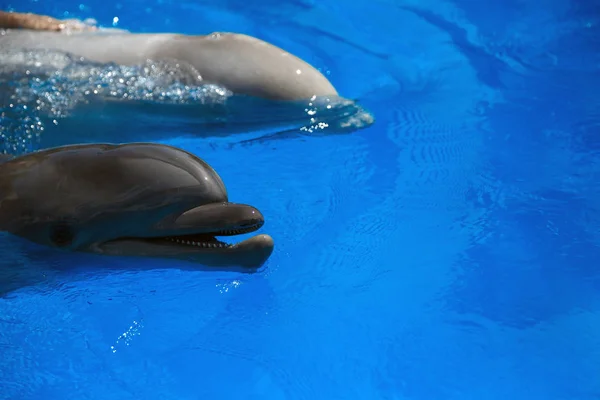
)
(206, 245)
(239, 231)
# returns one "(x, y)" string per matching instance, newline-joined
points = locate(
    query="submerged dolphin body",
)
(138, 199)
(261, 90)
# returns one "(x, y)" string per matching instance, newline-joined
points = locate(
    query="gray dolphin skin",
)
(135, 199)
(243, 64)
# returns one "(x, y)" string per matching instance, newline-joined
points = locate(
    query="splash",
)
(39, 85)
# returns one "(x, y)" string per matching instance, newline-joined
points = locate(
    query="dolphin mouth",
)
(194, 236)
(206, 240)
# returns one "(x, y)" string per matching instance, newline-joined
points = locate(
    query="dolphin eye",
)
(61, 234)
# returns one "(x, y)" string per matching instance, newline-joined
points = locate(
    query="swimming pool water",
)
(449, 251)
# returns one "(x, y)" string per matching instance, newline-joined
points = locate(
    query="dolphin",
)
(243, 64)
(235, 88)
(134, 199)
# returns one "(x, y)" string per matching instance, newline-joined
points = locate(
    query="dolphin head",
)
(136, 199)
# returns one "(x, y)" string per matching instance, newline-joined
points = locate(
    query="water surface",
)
(448, 251)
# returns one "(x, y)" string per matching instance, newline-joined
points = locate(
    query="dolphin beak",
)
(192, 236)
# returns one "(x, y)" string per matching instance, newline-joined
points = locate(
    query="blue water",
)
(449, 251)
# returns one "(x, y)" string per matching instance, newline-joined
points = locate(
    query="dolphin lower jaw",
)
(251, 253)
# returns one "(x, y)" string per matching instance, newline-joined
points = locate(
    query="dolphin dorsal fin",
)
(5, 157)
